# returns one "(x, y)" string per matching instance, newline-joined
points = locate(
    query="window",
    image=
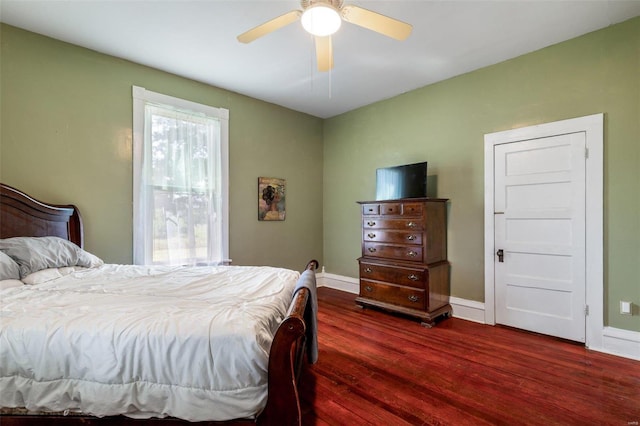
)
(180, 181)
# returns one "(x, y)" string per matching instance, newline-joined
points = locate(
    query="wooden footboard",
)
(21, 215)
(285, 361)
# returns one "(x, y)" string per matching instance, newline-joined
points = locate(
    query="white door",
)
(539, 214)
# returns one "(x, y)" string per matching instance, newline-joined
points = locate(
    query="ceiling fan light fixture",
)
(321, 19)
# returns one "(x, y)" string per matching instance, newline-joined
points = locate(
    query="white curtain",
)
(179, 191)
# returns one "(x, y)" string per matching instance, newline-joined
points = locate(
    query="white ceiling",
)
(197, 39)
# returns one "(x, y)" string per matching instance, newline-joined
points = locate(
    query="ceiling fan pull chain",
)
(330, 74)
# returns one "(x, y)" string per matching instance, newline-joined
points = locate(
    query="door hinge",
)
(586, 310)
(586, 153)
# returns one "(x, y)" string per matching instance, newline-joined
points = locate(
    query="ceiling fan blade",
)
(270, 26)
(376, 22)
(324, 53)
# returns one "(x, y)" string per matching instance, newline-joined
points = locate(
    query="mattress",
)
(191, 343)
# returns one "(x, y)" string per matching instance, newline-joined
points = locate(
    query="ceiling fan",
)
(322, 18)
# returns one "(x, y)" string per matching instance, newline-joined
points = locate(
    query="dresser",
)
(404, 265)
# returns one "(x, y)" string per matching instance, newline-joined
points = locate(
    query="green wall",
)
(445, 123)
(66, 117)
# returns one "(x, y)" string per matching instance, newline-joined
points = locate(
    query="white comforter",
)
(165, 341)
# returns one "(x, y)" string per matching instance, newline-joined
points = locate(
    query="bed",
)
(83, 342)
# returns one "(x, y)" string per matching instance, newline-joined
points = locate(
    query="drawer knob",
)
(411, 237)
(367, 269)
(371, 250)
(411, 225)
(412, 253)
(371, 223)
(413, 298)
(369, 288)
(371, 235)
(413, 277)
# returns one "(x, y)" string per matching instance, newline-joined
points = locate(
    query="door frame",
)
(593, 127)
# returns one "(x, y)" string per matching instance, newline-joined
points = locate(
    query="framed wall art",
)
(271, 198)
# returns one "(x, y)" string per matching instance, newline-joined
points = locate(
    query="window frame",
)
(142, 96)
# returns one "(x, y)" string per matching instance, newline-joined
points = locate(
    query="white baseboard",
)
(615, 341)
(469, 310)
(338, 282)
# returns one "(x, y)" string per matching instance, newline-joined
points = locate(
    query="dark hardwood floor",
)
(379, 369)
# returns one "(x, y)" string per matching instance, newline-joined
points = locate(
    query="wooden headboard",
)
(24, 216)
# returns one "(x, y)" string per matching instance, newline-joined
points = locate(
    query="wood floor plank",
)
(383, 369)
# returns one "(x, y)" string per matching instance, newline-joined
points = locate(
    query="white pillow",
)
(9, 269)
(49, 274)
(34, 254)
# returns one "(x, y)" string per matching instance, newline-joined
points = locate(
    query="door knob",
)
(500, 254)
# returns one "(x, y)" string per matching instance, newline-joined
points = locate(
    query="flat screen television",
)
(406, 181)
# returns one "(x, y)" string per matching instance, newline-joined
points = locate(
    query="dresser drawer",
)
(412, 209)
(393, 274)
(394, 224)
(371, 209)
(390, 251)
(398, 237)
(390, 209)
(389, 293)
